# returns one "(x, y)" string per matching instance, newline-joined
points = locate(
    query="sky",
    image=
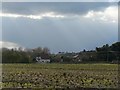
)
(60, 26)
(60, 0)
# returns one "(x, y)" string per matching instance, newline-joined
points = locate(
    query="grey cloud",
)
(61, 1)
(58, 7)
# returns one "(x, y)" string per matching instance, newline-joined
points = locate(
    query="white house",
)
(40, 60)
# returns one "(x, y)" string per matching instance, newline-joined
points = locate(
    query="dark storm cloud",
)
(58, 7)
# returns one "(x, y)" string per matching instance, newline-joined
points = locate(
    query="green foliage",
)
(109, 53)
(67, 59)
(12, 56)
(20, 56)
(115, 46)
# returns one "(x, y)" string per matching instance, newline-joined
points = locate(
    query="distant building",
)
(40, 60)
(76, 58)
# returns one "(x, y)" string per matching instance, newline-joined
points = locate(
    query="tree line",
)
(105, 53)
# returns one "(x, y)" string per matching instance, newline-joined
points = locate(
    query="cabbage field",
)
(52, 76)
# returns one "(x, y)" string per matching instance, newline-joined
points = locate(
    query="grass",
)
(53, 76)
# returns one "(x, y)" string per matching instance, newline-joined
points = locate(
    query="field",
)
(53, 76)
